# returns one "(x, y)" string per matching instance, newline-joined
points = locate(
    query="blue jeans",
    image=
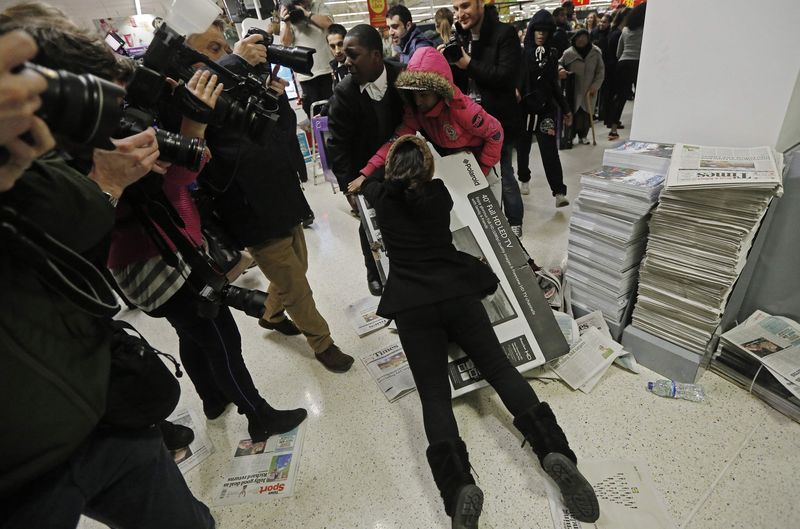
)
(512, 198)
(125, 480)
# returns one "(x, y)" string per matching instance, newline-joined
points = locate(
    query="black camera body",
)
(298, 58)
(245, 107)
(452, 50)
(295, 15)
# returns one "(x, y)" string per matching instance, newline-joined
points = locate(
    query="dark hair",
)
(619, 17)
(407, 167)
(400, 11)
(367, 36)
(557, 12)
(635, 18)
(336, 29)
(62, 44)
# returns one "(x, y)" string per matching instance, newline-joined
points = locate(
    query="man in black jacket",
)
(364, 113)
(491, 61)
(260, 203)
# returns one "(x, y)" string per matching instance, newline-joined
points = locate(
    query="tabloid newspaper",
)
(261, 471)
(363, 318)
(700, 167)
(389, 367)
(627, 495)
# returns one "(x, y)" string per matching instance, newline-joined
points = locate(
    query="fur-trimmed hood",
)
(428, 70)
(422, 145)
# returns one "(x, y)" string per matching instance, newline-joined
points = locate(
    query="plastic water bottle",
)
(677, 390)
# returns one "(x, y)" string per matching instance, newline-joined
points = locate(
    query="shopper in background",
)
(585, 62)
(309, 31)
(541, 98)
(563, 30)
(434, 294)
(365, 111)
(491, 62)
(629, 48)
(611, 119)
(600, 39)
(406, 36)
(335, 36)
(443, 19)
(569, 12)
(591, 22)
(257, 197)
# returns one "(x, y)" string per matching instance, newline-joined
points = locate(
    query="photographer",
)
(57, 462)
(304, 24)
(257, 196)
(210, 348)
(490, 55)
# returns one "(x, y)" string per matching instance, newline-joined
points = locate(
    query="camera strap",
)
(190, 106)
(59, 267)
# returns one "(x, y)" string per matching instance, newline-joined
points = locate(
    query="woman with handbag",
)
(210, 348)
(542, 98)
(434, 294)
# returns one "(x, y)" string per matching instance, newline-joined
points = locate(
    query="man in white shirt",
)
(309, 30)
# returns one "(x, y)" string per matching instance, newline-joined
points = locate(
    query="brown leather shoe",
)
(334, 359)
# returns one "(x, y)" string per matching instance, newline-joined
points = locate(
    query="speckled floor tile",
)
(363, 464)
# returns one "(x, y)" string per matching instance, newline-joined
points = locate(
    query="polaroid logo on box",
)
(471, 173)
(272, 489)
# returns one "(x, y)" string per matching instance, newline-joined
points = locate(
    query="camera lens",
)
(251, 302)
(180, 150)
(299, 58)
(84, 108)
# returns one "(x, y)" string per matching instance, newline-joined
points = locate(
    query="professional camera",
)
(251, 302)
(452, 50)
(172, 147)
(298, 58)
(295, 15)
(245, 106)
(84, 108)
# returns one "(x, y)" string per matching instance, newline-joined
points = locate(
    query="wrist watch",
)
(111, 199)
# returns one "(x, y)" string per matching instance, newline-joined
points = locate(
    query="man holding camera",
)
(258, 199)
(57, 462)
(490, 55)
(304, 24)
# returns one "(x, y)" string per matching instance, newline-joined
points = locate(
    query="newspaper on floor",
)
(568, 325)
(363, 318)
(595, 319)
(199, 449)
(389, 367)
(626, 493)
(593, 353)
(702, 167)
(260, 471)
(763, 336)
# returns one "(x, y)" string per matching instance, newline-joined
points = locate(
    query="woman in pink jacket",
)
(448, 118)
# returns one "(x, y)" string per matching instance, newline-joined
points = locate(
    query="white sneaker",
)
(583, 141)
(561, 201)
(517, 230)
(525, 188)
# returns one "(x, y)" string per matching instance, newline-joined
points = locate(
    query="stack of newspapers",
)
(700, 234)
(653, 157)
(608, 232)
(763, 355)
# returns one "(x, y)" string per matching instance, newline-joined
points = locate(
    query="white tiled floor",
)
(729, 463)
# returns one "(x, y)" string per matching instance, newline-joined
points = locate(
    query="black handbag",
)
(141, 390)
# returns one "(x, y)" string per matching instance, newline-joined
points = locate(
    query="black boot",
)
(267, 421)
(463, 500)
(550, 445)
(175, 435)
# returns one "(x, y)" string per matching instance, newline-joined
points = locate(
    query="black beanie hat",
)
(578, 34)
(543, 21)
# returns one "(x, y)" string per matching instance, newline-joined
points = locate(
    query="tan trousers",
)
(284, 262)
